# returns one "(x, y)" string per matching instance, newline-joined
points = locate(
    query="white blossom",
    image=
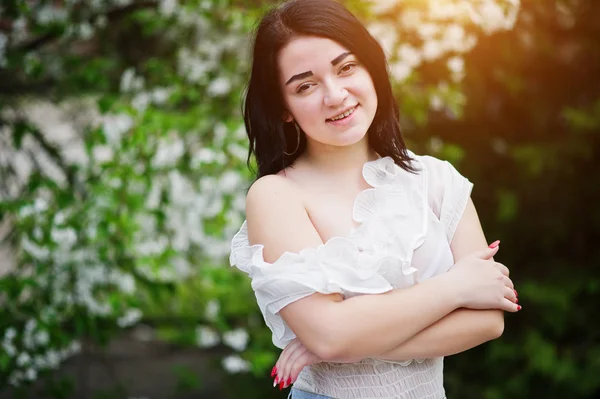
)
(31, 374)
(212, 310)
(428, 30)
(9, 348)
(436, 103)
(86, 31)
(152, 246)
(206, 337)
(168, 152)
(235, 364)
(53, 359)
(153, 197)
(236, 339)
(204, 155)
(23, 359)
(167, 7)
(73, 348)
(36, 251)
(383, 6)
(219, 87)
(102, 153)
(3, 41)
(192, 67)
(42, 338)
(126, 283)
(64, 237)
(10, 334)
(141, 101)
(130, 317)
(130, 82)
(49, 13)
(386, 35)
(219, 134)
(40, 205)
(230, 182)
(411, 19)
(409, 55)
(160, 95)
(456, 64)
(432, 50)
(114, 126)
(400, 70)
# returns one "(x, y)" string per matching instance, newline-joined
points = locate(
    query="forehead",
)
(306, 53)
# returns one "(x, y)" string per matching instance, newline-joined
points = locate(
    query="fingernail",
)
(516, 293)
(274, 371)
(289, 381)
(494, 244)
(518, 307)
(281, 385)
(516, 300)
(275, 382)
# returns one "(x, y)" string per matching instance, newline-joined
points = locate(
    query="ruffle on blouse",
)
(374, 258)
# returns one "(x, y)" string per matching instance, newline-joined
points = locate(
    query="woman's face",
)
(327, 91)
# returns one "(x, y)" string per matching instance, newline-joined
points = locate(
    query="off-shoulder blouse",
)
(406, 222)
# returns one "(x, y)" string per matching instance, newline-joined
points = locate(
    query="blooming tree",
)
(123, 155)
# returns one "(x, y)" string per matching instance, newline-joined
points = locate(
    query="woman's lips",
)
(343, 120)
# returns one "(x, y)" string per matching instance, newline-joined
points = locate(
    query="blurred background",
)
(123, 176)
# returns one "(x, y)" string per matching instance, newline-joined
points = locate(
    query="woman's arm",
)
(326, 325)
(462, 329)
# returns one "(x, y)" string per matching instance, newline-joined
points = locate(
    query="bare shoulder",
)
(277, 218)
(272, 189)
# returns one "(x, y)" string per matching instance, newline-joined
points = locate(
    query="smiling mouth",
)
(343, 115)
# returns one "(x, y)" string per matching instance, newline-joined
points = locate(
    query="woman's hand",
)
(292, 360)
(483, 283)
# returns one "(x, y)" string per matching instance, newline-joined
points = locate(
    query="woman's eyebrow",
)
(307, 74)
(339, 58)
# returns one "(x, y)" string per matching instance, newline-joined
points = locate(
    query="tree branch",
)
(112, 16)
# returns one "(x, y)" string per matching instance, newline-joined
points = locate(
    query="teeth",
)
(345, 114)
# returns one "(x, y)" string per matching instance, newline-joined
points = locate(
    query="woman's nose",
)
(335, 94)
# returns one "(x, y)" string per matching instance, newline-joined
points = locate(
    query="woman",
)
(341, 209)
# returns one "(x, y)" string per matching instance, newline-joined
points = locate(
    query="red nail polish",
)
(518, 307)
(281, 385)
(289, 381)
(516, 300)
(494, 244)
(274, 371)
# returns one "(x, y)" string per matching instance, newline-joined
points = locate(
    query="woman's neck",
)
(339, 160)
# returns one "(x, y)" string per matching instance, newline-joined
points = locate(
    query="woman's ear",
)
(287, 117)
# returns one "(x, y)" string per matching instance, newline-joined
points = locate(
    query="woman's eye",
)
(348, 67)
(303, 87)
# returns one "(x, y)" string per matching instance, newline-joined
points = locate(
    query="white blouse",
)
(406, 223)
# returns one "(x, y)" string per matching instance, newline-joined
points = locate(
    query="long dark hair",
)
(270, 136)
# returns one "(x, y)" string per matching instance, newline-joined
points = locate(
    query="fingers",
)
(508, 283)
(291, 362)
(509, 306)
(511, 295)
(283, 360)
(503, 269)
(486, 253)
(306, 359)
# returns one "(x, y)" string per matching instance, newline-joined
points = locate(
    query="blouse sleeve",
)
(448, 193)
(335, 267)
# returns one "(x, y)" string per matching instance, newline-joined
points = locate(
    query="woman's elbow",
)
(497, 325)
(328, 344)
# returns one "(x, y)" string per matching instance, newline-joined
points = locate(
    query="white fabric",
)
(407, 222)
